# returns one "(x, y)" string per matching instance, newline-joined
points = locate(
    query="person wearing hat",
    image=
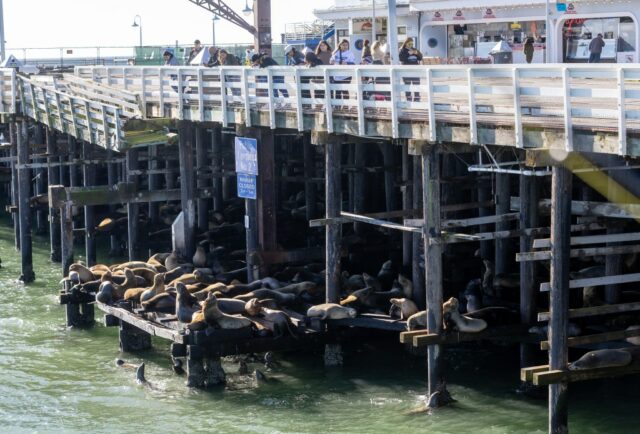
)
(293, 56)
(169, 58)
(263, 61)
(197, 47)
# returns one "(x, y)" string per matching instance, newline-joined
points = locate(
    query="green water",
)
(58, 380)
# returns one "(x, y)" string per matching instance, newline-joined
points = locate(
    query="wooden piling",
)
(24, 209)
(133, 210)
(216, 150)
(53, 175)
(152, 182)
(112, 179)
(310, 189)
(502, 198)
(89, 179)
(333, 199)
(528, 293)
(388, 155)
(433, 259)
(407, 172)
(13, 152)
(39, 184)
(66, 243)
(187, 188)
(359, 185)
(416, 242)
(559, 295)
(267, 226)
(201, 180)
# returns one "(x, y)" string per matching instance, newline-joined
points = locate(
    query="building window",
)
(619, 36)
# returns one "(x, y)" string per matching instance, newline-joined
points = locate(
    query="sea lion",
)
(231, 306)
(171, 261)
(372, 282)
(83, 272)
(145, 273)
(201, 294)
(177, 272)
(353, 282)
(440, 397)
(214, 317)
(417, 321)
(385, 275)
(299, 288)
(199, 258)
(326, 311)
(406, 285)
(602, 359)
(362, 296)
(157, 288)
(281, 298)
(186, 304)
(462, 323)
(160, 302)
(105, 293)
(404, 308)
(278, 322)
(271, 283)
(132, 265)
(187, 279)
(635, 340)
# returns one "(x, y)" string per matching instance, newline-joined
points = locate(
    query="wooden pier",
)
(512, 183)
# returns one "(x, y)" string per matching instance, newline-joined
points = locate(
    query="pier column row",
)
(24, 199)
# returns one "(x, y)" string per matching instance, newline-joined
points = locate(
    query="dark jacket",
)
(296, 59)
(266, 61)
(596, 45)
(409, 59)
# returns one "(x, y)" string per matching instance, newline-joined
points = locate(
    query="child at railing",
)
(410, 56)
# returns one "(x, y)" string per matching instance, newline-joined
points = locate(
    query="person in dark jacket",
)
(595, 49)
(169, 59)
(197, 47)
(293, 57)
(311, 60)
(263, 61)
(410, 56)
(528, 49)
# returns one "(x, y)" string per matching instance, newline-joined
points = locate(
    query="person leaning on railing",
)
(342, 56)
(410, 56)
(264, 61)
(323, 51)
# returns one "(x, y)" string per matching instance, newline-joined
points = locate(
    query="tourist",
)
(248, 55)
(197, 47)
(213, 57)
(595, 49)
(342, 56)
(410, 56)
(226, 59)
(311, 60)
(264, 61)
(528, 49)
(367, 57)
(292, 56)
(323, 51)
(378, 53)
(169, 58)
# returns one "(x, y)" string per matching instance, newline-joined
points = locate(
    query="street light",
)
(138, 24)
(213, 20)
(247, 10)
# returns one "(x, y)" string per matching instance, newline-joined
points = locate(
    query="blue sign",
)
(247, 186)
(246, 156)
(561, 7)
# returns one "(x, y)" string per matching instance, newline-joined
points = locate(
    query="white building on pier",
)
(463, 32)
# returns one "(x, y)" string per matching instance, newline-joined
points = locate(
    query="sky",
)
(89, 23)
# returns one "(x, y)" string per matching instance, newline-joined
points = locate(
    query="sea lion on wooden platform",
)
(157, 288)
(160, 302)
(231, 306)
(105, 293)
(385, 275)
(171, 261)
(271, 283)
(199, 257)
(281, 298)
(326, 311)
(145, 273)
(417, 321)
(178, 271)
(363, 297)
(299, 288)
(214, 317)
(495, 316)
(402, 308)
(406, 285)
(353, 282)
(635, 340)
(186, 304)
(84, 273)
(372, 282)
(602, 359)
(277, 321)
(132, 265)
(463, 323)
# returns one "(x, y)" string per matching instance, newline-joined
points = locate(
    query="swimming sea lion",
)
(417, 321)
(213, 316)
(326, 311)
(404, 308)
(462, 323)
(84, 273)
(602, 359)
(440, 397)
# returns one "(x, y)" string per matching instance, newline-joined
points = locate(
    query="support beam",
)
(133, 209)
(333, 190)
(407, 203)
(267, 225)
(502, 200)
(433, 260)
(39, 187)
(559, 295)
(187, 187)
(13, 132)
(417, 275)
(89, 179)
(53, 176)
(359, 185)
(201, 182)
(152, 181)
(216, 149)
(388, 154)
(112, 179)
(24, 196)
(310, 189)
(66, 228)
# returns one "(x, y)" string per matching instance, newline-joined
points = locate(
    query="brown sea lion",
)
(281, 298)
(83, 272)
(199, 258)
(162, 301)
(417, 321)
(214, 317)
(602, 359)
(299, 288)
(406, 285)
(404, 308)
(461, 322)
(132, 265)
(186, 304)
(277, 321)
(145, 273)
(157, 288)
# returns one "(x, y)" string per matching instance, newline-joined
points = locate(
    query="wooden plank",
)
(590, 208)
(407, 337)
(451, 238)
(591, 239)
(510, 332)
(349, 217)
(546, 378)
(606, 309)
(596, 339)
(480, 220)
(545, 255)
(143, 324)
(526, 374)
(597, 281)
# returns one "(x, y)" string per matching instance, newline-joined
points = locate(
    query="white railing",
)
(565, 98)
(8, 98)
(83, 119)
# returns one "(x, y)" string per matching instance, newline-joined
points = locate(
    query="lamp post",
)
(137, 22)
(213, 21)
(2, 57)
(373, 21)
(247, 10)
(392, 31)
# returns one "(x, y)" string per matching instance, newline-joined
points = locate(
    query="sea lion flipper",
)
(140, 374)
